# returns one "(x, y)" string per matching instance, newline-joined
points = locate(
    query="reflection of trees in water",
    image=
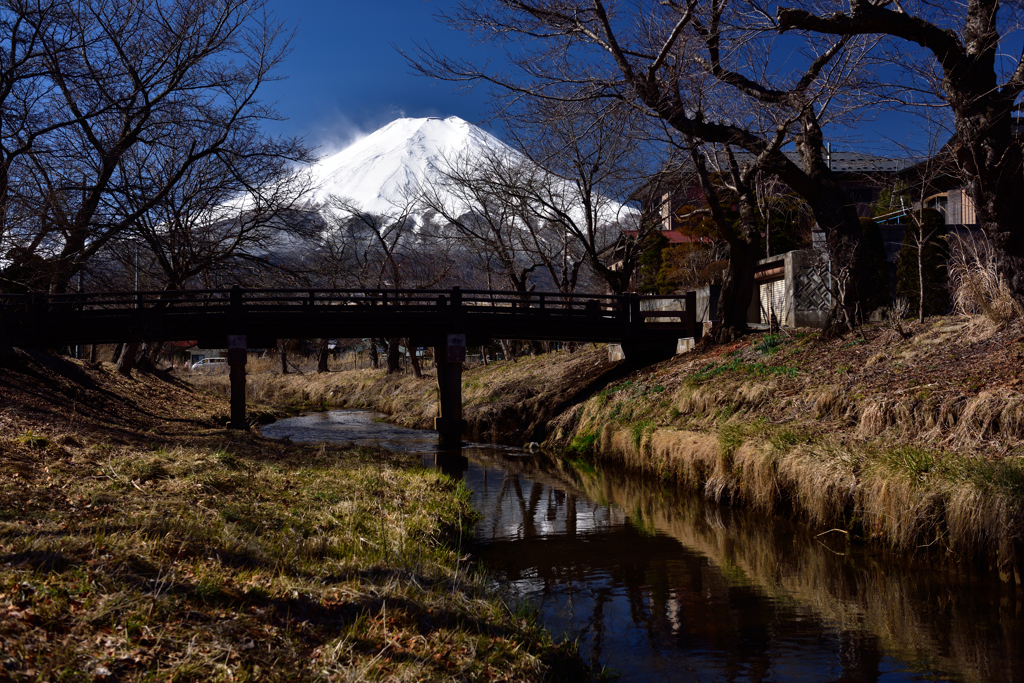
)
(881, 605)
(706, 600)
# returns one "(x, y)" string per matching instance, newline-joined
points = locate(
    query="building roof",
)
(673, 236)
(858, 162)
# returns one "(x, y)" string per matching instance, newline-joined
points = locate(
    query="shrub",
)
(976, 284)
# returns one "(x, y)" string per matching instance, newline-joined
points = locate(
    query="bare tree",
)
(479, 196)
(129, 83)
(587, 168)
(27, 30)
(708, 70)
(403, 249)
(226, 212)
(963, 63)
(742, 236)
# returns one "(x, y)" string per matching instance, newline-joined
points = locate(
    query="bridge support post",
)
(448, 363)
(237, 354)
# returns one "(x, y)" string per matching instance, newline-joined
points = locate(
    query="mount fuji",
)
(379, 171)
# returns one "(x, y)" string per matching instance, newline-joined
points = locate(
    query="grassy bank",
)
(914, 442)
(912, 439)
(507, 401)
(141, 541)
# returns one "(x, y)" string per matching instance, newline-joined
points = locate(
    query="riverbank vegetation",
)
(139, 540)
(911, 441)
(906, 437)
(508, 402)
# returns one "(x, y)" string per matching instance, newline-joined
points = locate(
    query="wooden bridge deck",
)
(425, 316)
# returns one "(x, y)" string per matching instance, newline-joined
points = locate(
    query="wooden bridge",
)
(240, 318)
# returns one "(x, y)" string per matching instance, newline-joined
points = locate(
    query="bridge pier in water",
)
(238, 351)
(448, 359)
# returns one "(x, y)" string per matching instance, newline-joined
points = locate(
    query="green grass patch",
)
(730, 438)
(582, 443)
(769, 344)
(737, 365)
(784, 440)
(33, 440)
(640, 430)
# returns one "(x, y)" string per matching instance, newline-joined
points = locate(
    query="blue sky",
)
(345, 77)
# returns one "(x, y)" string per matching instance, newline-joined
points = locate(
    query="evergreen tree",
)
(876, 283)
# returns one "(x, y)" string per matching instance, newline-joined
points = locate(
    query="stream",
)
(663, 585)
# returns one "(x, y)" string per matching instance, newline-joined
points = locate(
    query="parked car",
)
(209, 365)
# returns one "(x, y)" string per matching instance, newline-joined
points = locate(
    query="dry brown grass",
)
(977, 286)
(861, 477)
(505, 401)
(141, 541)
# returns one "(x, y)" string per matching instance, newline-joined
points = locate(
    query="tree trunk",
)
(116, 356)
(283, 349)
(321, 356)
(394, 356)
(837, 217)
(374, 356)
(509, 349)
(126, 363)
(738, 285)
(920, 278)
(144, 361)
(417, 372)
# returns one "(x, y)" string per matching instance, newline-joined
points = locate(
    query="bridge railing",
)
(254, 299)
(28, 311)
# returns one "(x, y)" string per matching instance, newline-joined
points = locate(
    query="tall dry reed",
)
(977, 285)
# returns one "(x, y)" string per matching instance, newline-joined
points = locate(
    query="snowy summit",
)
(380, 170)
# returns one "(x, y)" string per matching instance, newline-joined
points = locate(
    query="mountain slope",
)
(382, 169)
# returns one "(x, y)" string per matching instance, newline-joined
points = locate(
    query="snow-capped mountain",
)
(380, 170)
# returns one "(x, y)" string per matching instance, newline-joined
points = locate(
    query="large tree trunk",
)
(509, 348)
(984, 151)
(394, 356)
(738, 284)
(282, 347)
(417, 372)
(374, 356)
(321, 356)
(144, 362)
(837, 217)
(995, 183)
(126, 363)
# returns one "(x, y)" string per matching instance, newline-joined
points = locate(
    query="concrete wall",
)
(807, 296)
(707, 304)
(808, 288)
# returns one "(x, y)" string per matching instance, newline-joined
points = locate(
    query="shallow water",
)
(663, 586)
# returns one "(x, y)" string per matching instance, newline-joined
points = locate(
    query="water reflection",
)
(661, 586)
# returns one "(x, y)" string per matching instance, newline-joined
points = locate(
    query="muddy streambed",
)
(659, 585)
